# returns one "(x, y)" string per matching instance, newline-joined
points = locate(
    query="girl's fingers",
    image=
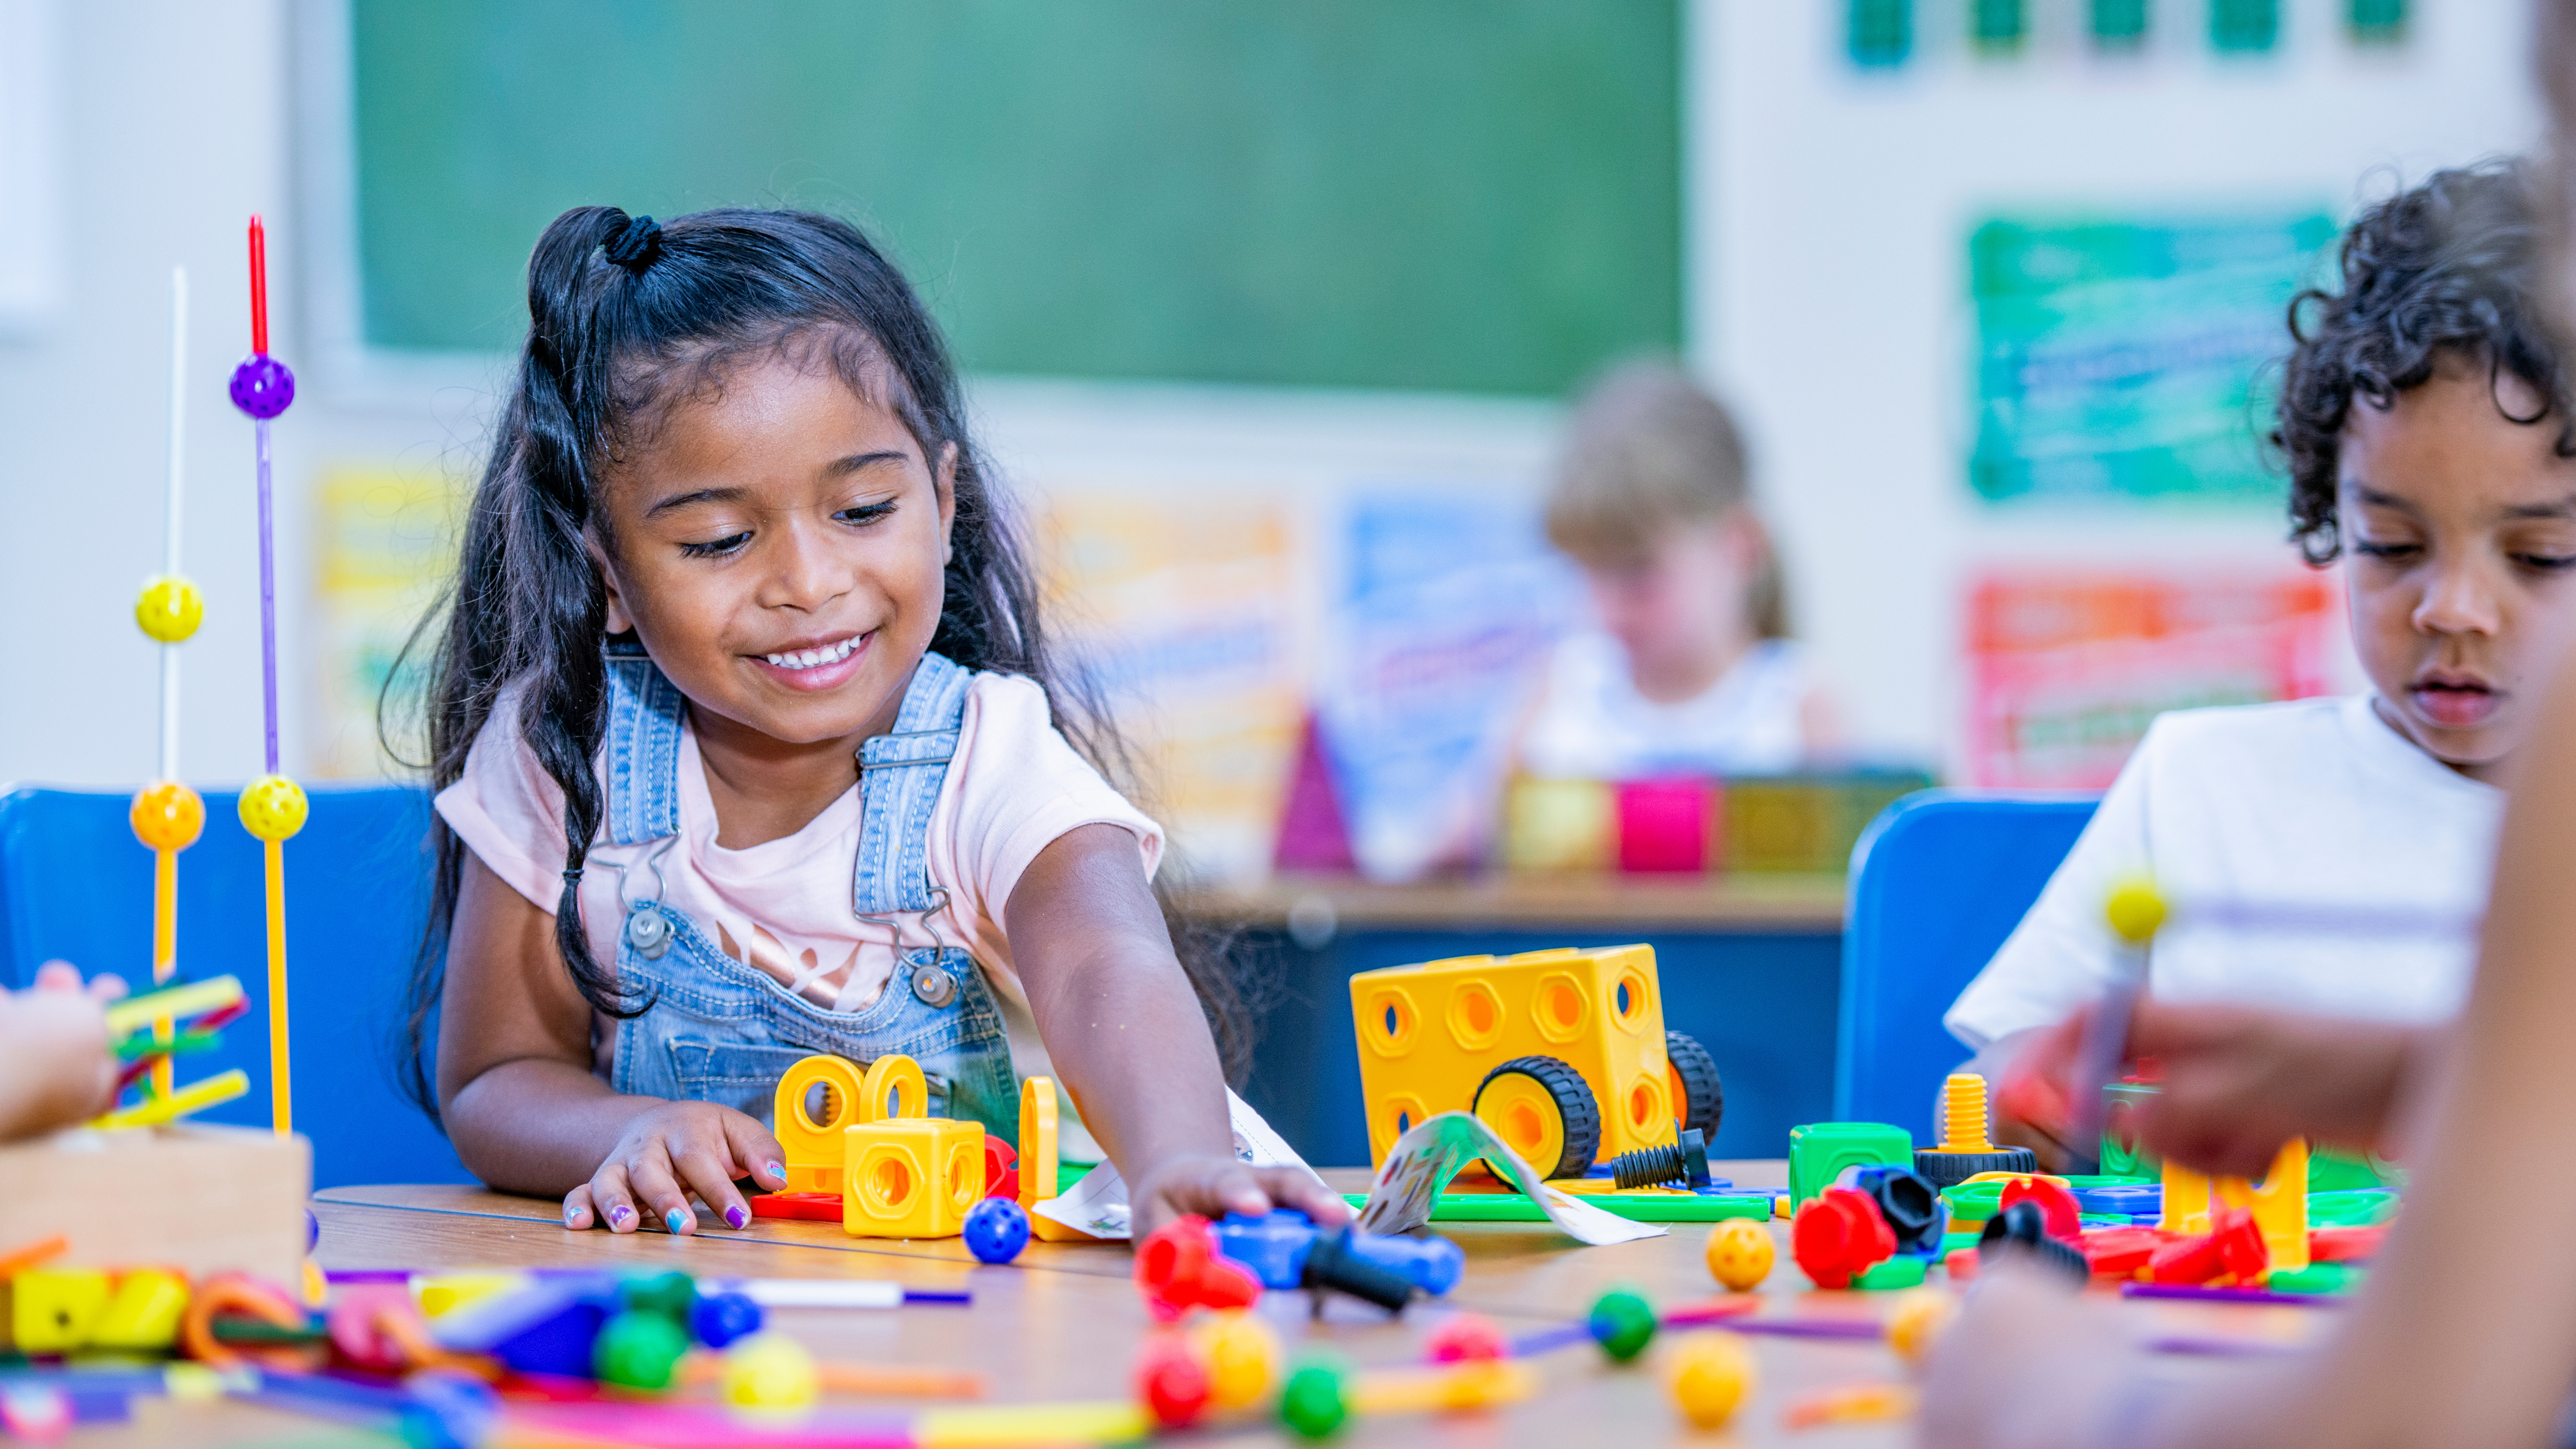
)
(710, 1176)
(58, 976)
(576, 1208)
(1294, 1187)
(755, 1151)
(612, 1201)
(106, 986)
(658, 1192)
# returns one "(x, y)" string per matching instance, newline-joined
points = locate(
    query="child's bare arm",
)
(1127, 1036)
(523, 1107)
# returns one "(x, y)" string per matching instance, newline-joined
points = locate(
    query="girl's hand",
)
(1212, 1186)
(55, 1066)
(668, 1152)
(2028, 1363)
(2240, 1081)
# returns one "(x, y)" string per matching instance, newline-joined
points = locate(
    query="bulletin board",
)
(1458, 195)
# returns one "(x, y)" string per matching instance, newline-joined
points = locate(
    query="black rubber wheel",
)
(1701, 1102)
(1949, 1169)
(1578, 1116)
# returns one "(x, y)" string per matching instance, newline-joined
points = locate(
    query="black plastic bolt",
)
(1683, 1164)
(1330, 1263)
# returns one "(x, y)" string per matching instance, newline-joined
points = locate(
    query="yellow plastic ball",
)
(167, 816)
(273, 807)
(1740, 1254)
(1709, 1374)
(2136, 910)
(770, 1371)
(1916, 1320)
(1242, 1355)
(170, 608)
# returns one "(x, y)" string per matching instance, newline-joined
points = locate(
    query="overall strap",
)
(900, 774)
(642, 745)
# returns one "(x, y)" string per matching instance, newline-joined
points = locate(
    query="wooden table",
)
(1064, 1321)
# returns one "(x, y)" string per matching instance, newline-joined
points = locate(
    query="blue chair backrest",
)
(1938, 881)
(76, 885)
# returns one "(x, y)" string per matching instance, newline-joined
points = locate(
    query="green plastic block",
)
(2355, 1208)
(2331, 1169)
(1894, 1273)
(1639, 1207)
(1819, 1151)
(2320, 1278)
(1953, 1242)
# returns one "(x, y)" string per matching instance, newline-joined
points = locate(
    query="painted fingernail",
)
(776, 1171)
(737, 1216)
(678, 1220)
(572, 1216)
(618, 1215)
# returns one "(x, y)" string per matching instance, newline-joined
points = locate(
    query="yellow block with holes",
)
(817, 1100)
(52, 1310)
(1429, 1033)
(905, 1173)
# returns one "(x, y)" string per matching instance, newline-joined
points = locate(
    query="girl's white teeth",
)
(815, 658)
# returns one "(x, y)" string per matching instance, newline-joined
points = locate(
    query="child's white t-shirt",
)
(783, 907)
(1591, 723)
(2316, 805)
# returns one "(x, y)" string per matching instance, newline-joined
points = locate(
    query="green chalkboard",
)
(1473, 195)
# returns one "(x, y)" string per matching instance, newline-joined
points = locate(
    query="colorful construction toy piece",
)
(1909, 1205)
(1178, 1268)
(1171, 1381)
(2279, 1204)
(205, 1006)
(1242, 1355)
(905, 1173)
(1564, 1053)
(1917, 1320)
(996, 1230)
(817, 1099)
(1839, 1236)
(1708, 1375)
(1284, 1249)
(1819, 1152)
(1623, 1323)
(1966, 1150)
(1740, 1254)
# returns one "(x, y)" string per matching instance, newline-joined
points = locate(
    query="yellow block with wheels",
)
(817, 1100)
(905, 1173)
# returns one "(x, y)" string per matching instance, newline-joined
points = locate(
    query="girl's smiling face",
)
(2459, 534)
(778, 541)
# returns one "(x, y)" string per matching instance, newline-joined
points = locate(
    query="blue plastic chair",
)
(75, 885)
(1938, 881)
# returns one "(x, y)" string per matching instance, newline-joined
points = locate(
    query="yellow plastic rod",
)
(165, 953)
(194, 999)
(280, 1093)
(194, 1097)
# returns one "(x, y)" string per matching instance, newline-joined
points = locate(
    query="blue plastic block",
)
(717, 1319)
(1274, 1247)
(548, 1327)
(2121, 1199)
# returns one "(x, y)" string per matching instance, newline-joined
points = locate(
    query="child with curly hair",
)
(2426, 426)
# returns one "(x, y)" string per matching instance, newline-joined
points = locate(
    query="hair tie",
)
(572, 877)
(635, 245)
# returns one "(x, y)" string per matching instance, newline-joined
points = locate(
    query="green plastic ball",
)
(639, 1350)
(1623, 1323)
(670, 1294)
(1313, 1404)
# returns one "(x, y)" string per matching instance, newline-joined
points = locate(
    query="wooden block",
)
(192, 1196)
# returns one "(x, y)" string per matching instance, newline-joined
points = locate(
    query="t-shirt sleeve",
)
(2061, 955)
(509, 811)
(1020, 786)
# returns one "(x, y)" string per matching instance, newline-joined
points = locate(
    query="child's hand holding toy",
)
(55, 1066)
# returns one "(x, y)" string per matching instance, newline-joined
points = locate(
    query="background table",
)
(1064, 1322)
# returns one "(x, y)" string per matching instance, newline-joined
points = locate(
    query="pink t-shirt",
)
(783, 907)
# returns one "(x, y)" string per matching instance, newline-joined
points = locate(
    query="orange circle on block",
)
(167, 816)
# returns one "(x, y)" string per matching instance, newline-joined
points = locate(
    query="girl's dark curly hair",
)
(618, 327)
(2452, 267)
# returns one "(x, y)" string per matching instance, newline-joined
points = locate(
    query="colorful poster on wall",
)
(1181, 608)
(2066, 670)
(1445, 610)
(2129, 359)
(386, 542)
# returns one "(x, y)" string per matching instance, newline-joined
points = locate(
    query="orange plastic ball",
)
(1708, 1375)
(167, 816)
(273, 807)
(170, 608)
(1740, 1254)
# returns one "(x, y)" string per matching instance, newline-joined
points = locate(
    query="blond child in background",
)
(1690, 670)
(55, 1068)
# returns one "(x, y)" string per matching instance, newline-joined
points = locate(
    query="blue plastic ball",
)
(996, 1229)
(312, 1231)
(262, 386)
(719, 1318)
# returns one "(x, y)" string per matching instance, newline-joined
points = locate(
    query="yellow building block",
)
(2279, 1204)
(1429, 1033)
(904, 1173)
(143, 1310)
(53, 1310)
(817, 1100)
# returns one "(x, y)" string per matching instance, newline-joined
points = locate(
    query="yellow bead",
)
(1709, 1374)
(167, 816)
(1242, 1355)
(1915, 1323)
(2136, 910)
(273, 807)
(769, 1371)
(170, 608)
(1740, 1253)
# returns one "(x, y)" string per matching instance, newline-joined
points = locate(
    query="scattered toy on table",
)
(1171, 1380)
(1917, 1320)
(1819, 1152)
(1623, 1323)
(2278, 1204)
(2023, 1228)
(1853, 1404)
(1467, 1336)
(997, 1229)
(1322, 1393)
(1907, 1202)
(1242, 1355)
(2058, 1212)
(1740, 1254)
(1967, 1148)
(1708, 1375)
(2233, 1250)
(1684, 1163)
(770, 1371)
(1838, 1236)
(1178, 1268)
(1563, 1053)
(1285, 1249)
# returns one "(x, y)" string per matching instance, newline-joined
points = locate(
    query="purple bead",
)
(262, 387)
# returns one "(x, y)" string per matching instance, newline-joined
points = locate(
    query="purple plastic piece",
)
(263, 386)
(2202, 1293)
(267, 591)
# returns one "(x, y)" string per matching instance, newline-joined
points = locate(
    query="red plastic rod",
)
(258, 288)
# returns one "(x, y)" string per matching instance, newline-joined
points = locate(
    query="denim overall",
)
(719, 1030)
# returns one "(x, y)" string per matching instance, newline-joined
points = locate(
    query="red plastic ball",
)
(1171, 1381)
(1467, 1338)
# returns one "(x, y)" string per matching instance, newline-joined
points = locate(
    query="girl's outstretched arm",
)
(2466, 1332)
(1128, 1038)
(524, 1109)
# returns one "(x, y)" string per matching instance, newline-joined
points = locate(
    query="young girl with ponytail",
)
(749, 745)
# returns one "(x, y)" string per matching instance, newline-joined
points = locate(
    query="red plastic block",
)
(2192, 1260)
(817, 1207)
(2344, 1245)
(1178, 1268)
(2056, 1205)
(1001, 1168)
(2239, 1240)
(2121, 1252)
(1838, 1235)
(1961, 1265)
